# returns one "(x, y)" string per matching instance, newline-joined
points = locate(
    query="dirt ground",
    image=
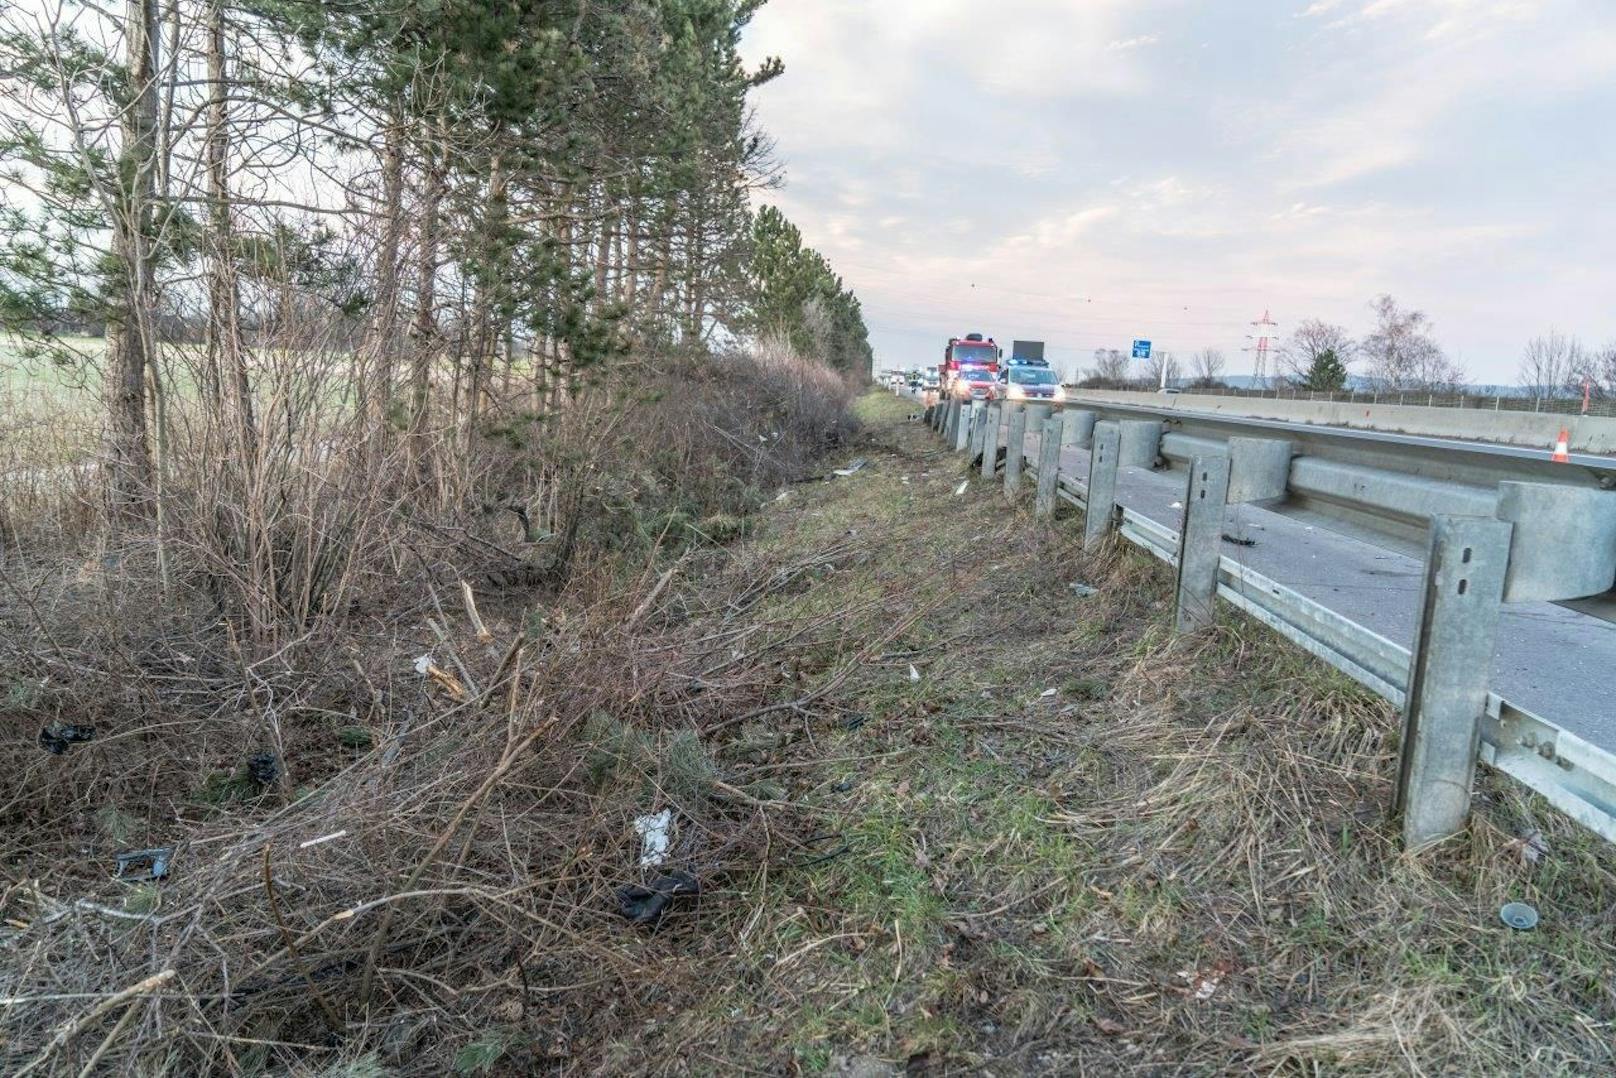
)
(1054, 840)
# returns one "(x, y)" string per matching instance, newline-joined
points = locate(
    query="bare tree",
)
(1403, 355)
(1110, 367)
(1310, 340)
(1207, 367)
(1551, 364)
(1162, 368)
(1602, 365)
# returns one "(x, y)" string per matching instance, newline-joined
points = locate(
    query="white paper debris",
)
(914, 675)
(1176, 505)
(1047, 693)
(1202, 983)
(654, 836)
(961, 489)
(423, 663)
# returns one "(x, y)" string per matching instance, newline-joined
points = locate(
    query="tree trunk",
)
(128, 342)
(631, 256)
(424, 331)
(382, 332)
(491, 282)
(225, 354)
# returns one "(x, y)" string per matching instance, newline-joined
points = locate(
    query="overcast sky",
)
(1090, 171)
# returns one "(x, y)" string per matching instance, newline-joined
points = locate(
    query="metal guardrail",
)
(1576, 777)
(1567, 405)
(1394, 484)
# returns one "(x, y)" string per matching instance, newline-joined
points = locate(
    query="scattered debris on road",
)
(858, 462)
(1238, 540)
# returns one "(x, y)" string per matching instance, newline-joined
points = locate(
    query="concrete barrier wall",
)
(1588, 433)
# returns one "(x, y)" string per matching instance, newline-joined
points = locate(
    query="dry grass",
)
(1177, 862)
(374, 866)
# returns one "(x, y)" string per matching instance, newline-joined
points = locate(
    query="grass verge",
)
(1060, 841)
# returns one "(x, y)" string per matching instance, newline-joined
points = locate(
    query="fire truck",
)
(967, 352)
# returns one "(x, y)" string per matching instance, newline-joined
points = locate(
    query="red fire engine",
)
(972, 350)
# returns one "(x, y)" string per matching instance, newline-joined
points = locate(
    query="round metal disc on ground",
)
(1518, 915)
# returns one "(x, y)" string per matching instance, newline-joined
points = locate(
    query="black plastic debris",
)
(55, 738)
(145, 864)
(646, 905)
(263, 768)
(1238, 540)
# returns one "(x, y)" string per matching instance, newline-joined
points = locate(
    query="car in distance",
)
(974, 383)
(1030, 383)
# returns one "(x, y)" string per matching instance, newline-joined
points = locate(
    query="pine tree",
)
(1326, 374)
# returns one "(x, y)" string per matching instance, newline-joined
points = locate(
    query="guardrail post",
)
(990, 439)
(1013, 451)
(962, 428)
(1564, 544)
(1101, 502)
(1200, 542)
(1049, 454)
(1449, 670)
(988, 442)
(1259, 469)
(987, 418)
(1078, 428)
(1140, 442)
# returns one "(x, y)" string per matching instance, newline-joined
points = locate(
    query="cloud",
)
(1032, 168)
(1436, 19)
(1126, 44)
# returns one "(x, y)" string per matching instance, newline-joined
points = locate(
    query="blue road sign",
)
(1141, 349)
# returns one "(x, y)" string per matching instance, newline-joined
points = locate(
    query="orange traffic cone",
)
(1562, 448)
